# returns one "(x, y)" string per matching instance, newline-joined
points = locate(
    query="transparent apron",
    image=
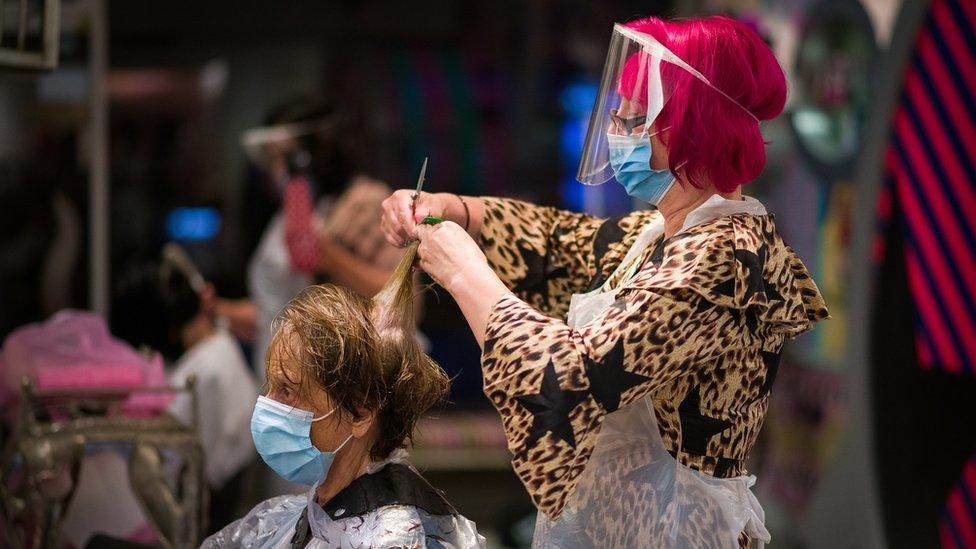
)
(633, 493)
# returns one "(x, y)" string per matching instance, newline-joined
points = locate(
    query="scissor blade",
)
(420, 180)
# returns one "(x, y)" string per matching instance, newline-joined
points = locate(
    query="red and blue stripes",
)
(931, 173)
(958, 527)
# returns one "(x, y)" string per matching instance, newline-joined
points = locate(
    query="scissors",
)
(420, 181)
(430, 219)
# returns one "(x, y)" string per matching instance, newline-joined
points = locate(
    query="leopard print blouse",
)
(700, 328)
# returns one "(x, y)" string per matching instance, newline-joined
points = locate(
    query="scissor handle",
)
(431, 220)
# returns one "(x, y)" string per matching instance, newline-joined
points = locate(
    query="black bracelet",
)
(467, 212)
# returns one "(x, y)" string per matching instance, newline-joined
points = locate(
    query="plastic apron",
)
(633, 492)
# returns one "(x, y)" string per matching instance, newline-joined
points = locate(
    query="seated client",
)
(347, 383)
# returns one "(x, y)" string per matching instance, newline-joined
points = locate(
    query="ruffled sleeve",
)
(544, 255)
(741, 262)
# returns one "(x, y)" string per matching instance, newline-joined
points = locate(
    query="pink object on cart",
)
(74, 350)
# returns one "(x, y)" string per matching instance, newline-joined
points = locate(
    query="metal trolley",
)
(40, 464)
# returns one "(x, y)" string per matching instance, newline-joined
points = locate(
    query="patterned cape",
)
(376, 510)
(700, 328)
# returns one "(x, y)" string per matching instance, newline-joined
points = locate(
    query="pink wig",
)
(711, 137)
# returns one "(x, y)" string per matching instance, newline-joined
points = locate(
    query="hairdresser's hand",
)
(241, 316)
(399, 215)
(448, 254)
(453, 259)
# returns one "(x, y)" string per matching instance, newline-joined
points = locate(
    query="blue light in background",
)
(576, 99)
(192, 223)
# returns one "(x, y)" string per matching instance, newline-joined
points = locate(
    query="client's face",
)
(289, 382)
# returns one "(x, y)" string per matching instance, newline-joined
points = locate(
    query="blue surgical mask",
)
(630, 158)
(281, 436)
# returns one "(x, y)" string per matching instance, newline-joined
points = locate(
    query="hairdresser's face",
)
(631, 119)
(627, 119)
(289, 383)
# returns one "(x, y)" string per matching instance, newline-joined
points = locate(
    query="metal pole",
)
(22, 25)
(98, 184)
(51, 33)
(848, 500)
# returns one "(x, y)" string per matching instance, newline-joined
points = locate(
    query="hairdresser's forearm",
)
(454, 211)
(476, 292)
(345, 268)
(241, 315)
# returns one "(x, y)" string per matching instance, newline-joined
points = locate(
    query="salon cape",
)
(272, 524)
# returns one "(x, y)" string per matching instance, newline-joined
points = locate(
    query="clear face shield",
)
(639, 77)
(270, 147)
(174, 257)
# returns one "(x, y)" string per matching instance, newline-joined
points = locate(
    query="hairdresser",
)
(631, 359)
(325, 229)
(346, 382)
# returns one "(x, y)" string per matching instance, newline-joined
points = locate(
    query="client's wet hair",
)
(363, 353)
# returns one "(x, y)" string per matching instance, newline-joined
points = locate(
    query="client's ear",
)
(362, 422)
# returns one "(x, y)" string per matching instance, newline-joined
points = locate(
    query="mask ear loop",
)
(679, 166)
(324, 416)
(662, 130)
(348, 438)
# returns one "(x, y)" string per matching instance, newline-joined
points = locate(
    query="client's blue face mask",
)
(630, 158)
(281, 436)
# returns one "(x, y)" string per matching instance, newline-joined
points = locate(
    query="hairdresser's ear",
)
(362, 422)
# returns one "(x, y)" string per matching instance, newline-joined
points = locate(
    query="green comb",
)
(431, 220)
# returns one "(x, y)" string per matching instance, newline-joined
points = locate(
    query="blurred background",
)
(121, 128)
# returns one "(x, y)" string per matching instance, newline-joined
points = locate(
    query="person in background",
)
(327, 229)
(168, 306)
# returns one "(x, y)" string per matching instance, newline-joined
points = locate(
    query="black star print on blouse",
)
(539, 271)
(726, 288)
(751, 320)
(754, 263)
(657, 256)
(771, 361)
(609, 379)
(610, 232)
(550, 408)
(696, 427)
